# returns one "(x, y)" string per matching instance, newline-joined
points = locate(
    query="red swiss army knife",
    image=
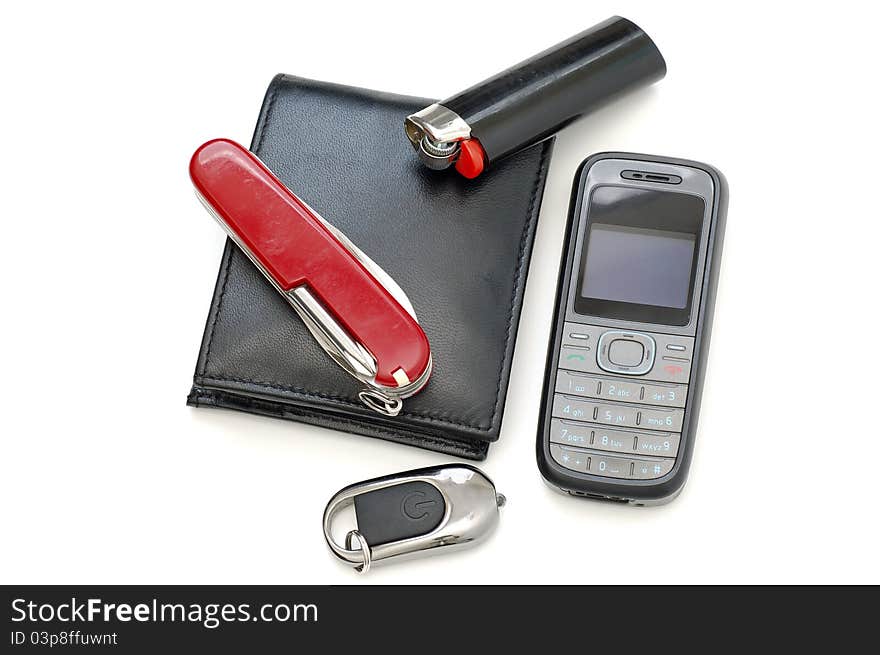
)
(355, 311)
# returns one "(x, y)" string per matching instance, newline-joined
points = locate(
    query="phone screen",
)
(639, 255)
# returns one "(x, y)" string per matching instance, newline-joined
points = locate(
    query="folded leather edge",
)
(438, 442)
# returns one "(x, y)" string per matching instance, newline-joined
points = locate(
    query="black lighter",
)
(536, 98)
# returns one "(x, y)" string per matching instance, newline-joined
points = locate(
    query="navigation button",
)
(625, 352)
(629, 353)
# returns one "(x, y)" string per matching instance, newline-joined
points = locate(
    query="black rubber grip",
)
(399, 512)
(536, 98)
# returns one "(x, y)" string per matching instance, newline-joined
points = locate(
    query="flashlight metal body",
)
(536, 98)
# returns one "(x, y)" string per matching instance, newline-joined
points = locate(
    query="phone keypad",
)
(611, 466)
(592, 386)
(596, 437)
(612, 414)
(618, 407)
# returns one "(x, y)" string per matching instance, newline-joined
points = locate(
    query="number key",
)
(612, 467)
(669, 395)
(657, 419)
(570, 433)
(573, 408)
(616, 415)
(613, 440)
(577, 384)
(623, 391)
(658, 444)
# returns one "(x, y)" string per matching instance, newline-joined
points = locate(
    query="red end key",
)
(355, 311)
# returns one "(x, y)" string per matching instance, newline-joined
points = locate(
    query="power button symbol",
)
(416, 505)
(399, 511)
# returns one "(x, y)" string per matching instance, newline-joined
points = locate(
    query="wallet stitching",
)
(432, 417)
(516, 280)
(216, 318)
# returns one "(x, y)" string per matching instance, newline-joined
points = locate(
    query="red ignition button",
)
(471, 160)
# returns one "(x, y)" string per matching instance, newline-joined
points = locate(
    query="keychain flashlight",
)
(535, 99)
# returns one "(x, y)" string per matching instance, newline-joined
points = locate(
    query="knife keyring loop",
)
(353, 308)
(381, 403)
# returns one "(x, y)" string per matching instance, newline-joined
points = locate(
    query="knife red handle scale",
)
(295, 248)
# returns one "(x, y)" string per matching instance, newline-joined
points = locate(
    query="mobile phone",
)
(630, 334)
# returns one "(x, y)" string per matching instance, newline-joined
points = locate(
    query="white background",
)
(108, 263)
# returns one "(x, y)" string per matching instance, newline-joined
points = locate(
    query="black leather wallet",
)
(459, 249)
